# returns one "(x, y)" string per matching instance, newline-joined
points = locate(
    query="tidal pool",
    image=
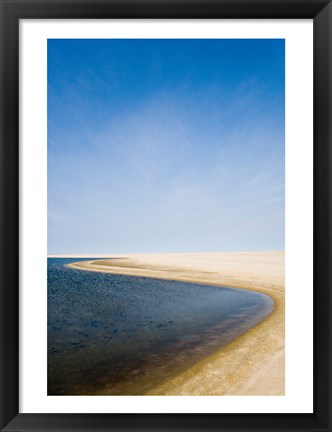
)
(121, 335)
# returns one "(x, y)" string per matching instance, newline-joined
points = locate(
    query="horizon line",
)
(103, 255)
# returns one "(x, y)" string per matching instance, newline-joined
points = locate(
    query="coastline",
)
(252, 364)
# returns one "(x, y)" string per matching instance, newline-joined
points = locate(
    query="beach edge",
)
(251, 364)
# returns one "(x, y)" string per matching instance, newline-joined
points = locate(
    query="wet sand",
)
(254, 363)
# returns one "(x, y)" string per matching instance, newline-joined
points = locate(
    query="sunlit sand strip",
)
(252, 364)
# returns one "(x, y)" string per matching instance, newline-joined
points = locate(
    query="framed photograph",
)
(165, 215)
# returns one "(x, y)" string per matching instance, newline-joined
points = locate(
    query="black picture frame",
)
(14, 10)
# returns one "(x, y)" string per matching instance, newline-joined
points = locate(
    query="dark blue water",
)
(115, 334)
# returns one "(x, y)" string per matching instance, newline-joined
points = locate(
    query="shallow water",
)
(116, 334)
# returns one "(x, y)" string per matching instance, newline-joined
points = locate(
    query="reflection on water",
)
(115, 334)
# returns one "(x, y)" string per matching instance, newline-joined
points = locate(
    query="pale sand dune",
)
(252, 364)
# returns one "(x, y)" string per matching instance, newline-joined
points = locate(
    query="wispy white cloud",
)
(199, 166)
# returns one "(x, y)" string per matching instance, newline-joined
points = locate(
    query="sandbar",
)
(252, 364)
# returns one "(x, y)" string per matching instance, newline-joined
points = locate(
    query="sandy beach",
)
(254, 363)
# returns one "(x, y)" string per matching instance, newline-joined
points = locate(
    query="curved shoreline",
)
(253, 363)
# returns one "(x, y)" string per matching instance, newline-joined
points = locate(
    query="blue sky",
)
(165, 145)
